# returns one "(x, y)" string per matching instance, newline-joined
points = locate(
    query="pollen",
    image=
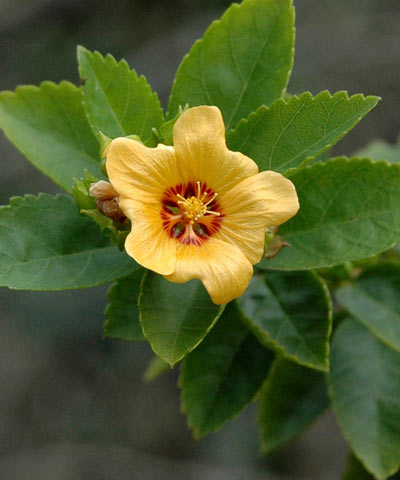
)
(195, 207)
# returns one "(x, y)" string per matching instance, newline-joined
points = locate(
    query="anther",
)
(212, 199)
(198, 189)
(195, 207)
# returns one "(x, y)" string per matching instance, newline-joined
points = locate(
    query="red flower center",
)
(191, 213)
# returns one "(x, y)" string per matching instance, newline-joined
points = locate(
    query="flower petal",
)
(256, 203)
(139, 172)
(148, 243)
(199, 142)
(223, 269)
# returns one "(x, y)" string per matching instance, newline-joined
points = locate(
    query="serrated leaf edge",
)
(321, 165)
(325, 95)
(123, 64)
(197, 45)
(44, 87)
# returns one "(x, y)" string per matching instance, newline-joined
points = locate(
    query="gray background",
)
(72, 405)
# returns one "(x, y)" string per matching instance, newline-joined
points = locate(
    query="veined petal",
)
(256, 203)
(222, 267)
(140, 172)
(148, 243)
(199, 142)
(250, 240)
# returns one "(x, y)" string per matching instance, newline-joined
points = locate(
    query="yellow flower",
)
(198, 210)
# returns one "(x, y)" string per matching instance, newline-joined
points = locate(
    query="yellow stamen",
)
(194, 207)
(198, 189)
(212, 199)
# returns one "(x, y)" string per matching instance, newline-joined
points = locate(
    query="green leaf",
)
(80, 191)
(292, 398)
(365, 389)
(349, 210)
(175, 317)
(122, 313)
(323, 157)
(294, 131)
(166, 130)
(380, 150)
(155, 369)
(223, 374)
(46, 245)
(291, 311)
(106, 224)
(374, 300)
(117, 101)
(242, 62)
(356, 471)
(48, 125)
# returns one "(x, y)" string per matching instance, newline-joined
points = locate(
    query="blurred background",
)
(73, 405)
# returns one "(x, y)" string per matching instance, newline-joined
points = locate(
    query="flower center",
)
(195, 207)
(191, 213)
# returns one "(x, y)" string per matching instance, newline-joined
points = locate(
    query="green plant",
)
(274, 342)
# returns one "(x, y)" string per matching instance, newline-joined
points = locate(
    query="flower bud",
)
(107, 200)
(274, 247)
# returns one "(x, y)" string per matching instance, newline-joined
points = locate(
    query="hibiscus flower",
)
(198, 210)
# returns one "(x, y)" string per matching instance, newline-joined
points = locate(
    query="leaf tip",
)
(80, 50)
